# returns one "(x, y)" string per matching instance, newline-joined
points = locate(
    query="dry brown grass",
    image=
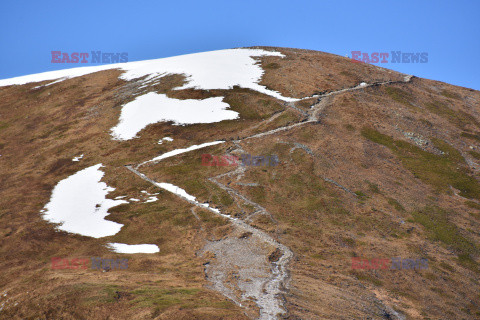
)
(41, 130)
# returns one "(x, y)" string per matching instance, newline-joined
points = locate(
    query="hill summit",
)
(249, 183)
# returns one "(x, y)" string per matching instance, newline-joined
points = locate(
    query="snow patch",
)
(133, 248)
(183, 194)
(165, 139)
(222, 69)
(151, 199)
(176, 190)
(179, 151)
(153, 107)
(79, 204)
(77, 158)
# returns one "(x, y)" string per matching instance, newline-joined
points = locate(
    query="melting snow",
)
(179, 151)
(153, 107)
(151, 199)
(166, 139)
(79, 204)
(183, 194)
(178, 191)
(222, 69)
(133, 248)
(77, 158)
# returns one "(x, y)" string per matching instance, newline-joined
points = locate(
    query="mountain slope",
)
(373, 164)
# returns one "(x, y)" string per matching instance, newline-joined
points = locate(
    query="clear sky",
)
(448, 30)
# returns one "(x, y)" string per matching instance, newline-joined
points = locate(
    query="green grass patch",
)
(366, 276)
(467, 261)
(474, 136)
(362, 196)
(311, 203)
(101, 293)
(436, 222)
(439, 171)
(297, 184)
(475, 154)
(179, 169)
(446, 266)
(394, 203)
(349, 241)
(211, 219)
(194, 187)
(296, 181)
(164, 298)
(258, 194)
(222, 197)
(285, 118)
(4, 125)
(183, 220)
(450, 94)
(472, 204)
(457, 117)
(400, 96)
(373, 187)
(349, 127)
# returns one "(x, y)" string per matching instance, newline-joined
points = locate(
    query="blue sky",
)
(448, 30)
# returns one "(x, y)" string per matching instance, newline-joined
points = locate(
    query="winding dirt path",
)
(269, 303)
(269, 300)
